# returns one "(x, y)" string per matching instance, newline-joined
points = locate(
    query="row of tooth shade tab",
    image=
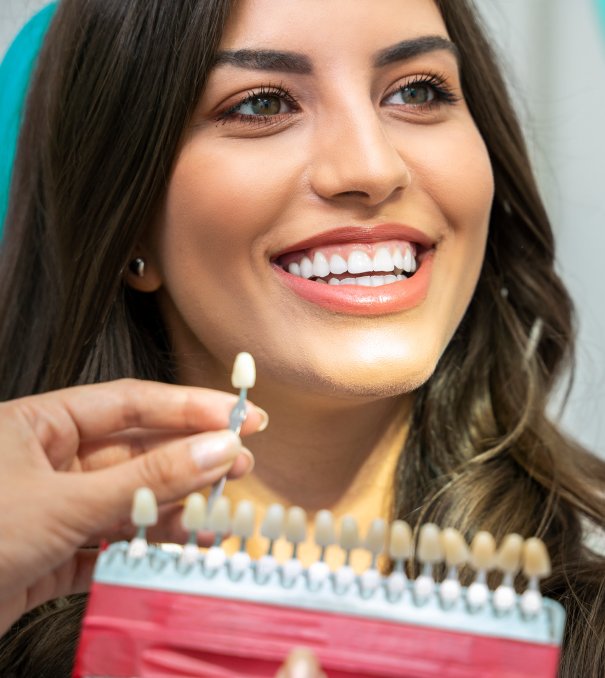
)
(433, 547)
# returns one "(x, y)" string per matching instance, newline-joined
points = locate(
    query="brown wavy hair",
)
(115, 86)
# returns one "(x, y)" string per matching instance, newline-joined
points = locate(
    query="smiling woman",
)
(342, 190)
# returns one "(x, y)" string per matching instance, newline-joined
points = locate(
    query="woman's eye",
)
(413, 95)
(261, 105)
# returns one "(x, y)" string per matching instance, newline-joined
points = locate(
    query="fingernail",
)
(264, 420)
(245, 452)
(302, 664)
(215, 449)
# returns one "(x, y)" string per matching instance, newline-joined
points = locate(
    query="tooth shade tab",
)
(483, 551)
(536, 562)
(244, 371)
(325, 534)
(376, 537)
(429, 550)
(400, 540)
(144, 508)
(273, 523)
(349, 534)
(455, 549)
(219, 520)
(193, 518)
(243, 520)
(296, 525)
(508, 556)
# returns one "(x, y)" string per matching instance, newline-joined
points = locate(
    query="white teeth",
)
(377, 280)
(359, 262)
(338, 265)
(398, 259)
(321, 268)
(388, 279)
(408, 260)
(334, 281)
(294, 269)
(348, 281)
(365, 281)
(383, 261)
(306, 268)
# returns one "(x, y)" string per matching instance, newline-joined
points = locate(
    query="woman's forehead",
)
(320, 27)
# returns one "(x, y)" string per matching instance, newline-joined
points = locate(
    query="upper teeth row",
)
(357, 262)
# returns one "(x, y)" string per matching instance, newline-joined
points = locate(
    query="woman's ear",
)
(142, 274)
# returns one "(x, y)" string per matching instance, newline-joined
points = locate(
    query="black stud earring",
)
(137, 266)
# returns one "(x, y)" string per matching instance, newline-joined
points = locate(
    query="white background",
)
(554, 54)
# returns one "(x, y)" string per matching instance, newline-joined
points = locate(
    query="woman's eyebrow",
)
(408, 49)
(294, 62)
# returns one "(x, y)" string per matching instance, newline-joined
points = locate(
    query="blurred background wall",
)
(554, 56)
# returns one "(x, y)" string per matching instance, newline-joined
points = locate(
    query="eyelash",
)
(438, 83)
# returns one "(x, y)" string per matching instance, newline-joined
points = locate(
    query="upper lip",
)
(361, 234)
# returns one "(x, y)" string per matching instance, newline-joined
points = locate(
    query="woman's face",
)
(329, 206)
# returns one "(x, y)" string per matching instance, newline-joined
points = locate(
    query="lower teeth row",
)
(364, 281)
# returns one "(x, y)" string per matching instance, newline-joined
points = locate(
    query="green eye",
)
(261, 105)
(416, 95)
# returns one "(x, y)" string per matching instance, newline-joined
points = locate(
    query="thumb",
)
(171, 472)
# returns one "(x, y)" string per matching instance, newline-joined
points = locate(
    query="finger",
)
(99, 410)
(301, 663)
(171, 472)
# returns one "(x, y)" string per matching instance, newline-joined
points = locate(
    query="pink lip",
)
(371, 301)
(361, 234)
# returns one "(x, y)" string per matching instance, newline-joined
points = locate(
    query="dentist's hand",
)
(71, 460)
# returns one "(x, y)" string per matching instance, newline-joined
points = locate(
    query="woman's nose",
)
(355, 159)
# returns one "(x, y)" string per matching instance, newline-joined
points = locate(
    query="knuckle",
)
(157, 469)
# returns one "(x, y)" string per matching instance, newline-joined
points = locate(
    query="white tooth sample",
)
(325, 534)
(536, 566)
(273, 523)
(337, 264)
(536, 562)
(388, 279)
(375, 540)
(193, 518)
(398, 259)
(429, 552)
(294, 269)
(296, 525)
(144, 508)
(483, 551)
(243, 520)
(219, 520)
(349, 534)
(359, 262)
(244, 371)
(383, 260)
(306, 267)
(455, 550)
(400, 541)
(508, 561)
(408, 260)
(321, 268)
(333, 281)
(377, 280)
(364, 281)
(348, 281)
(456, 554)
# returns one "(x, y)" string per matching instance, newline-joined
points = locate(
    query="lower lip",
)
(357, 300)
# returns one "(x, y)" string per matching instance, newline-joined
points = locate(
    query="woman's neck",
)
(341, 458)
